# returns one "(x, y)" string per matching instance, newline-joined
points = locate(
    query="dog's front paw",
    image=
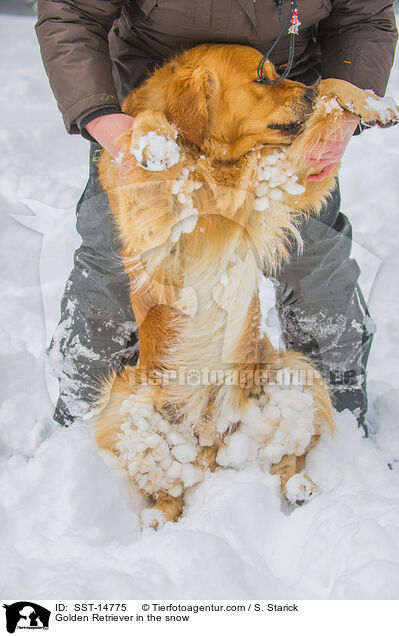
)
(371, 109)
(380, 111)
(298, 489)
(153, 142)
(155, 152)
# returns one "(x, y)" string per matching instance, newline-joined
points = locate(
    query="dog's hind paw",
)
(152, 518)
(299, 488)
(167, 508)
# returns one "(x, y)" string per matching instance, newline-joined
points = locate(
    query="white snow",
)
(70, 526)
(298, 488)
(185, 453)
(155, 456)
(274, 174)
(155, 152)
(270, 323)
(182, 188)
(261, 204)
(385, 108)
(151, 515)
(119, 158)
(189, 222)
(329, 105)
(294, 188)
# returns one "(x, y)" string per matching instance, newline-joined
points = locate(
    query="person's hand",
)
(329, 150)
(106, 129)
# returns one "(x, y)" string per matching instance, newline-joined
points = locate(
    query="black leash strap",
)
(293, 30)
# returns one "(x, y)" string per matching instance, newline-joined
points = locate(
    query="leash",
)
(292, 24)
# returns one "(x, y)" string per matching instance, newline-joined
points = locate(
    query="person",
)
(95, 52)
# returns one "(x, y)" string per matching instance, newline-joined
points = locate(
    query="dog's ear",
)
(187, 106)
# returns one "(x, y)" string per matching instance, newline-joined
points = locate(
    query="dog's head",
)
(213, 96)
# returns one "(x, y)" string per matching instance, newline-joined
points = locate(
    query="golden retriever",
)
(216, 193)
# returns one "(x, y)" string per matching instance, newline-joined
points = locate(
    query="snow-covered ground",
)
(67, 529)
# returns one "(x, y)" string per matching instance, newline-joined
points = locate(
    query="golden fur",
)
(225, 124)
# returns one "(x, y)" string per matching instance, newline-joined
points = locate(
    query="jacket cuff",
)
(74, 114)
(105, 110)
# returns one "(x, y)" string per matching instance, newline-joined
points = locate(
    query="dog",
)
(215, 194)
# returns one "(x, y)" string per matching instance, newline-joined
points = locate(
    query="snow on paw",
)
(290, 414)
(380, 111)
(155, 456)
(155, 152)
(152, 518)
(238, 449)
(371, 109)
(298, 489)
(275, 176)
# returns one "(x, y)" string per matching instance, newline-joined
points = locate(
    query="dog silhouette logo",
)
(26, 615)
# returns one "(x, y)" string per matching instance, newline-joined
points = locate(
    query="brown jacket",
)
(96, 51)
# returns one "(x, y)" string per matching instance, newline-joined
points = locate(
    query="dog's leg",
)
(205, 427)
(369, 107)
(149, 150)
(206, 459)
(296, 408)
(161, 460)
(166, 508)
(297, 487)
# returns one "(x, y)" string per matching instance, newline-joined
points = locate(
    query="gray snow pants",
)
(321, 308)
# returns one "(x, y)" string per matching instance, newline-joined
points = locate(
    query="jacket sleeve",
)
(73, 38)
(358, 42)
